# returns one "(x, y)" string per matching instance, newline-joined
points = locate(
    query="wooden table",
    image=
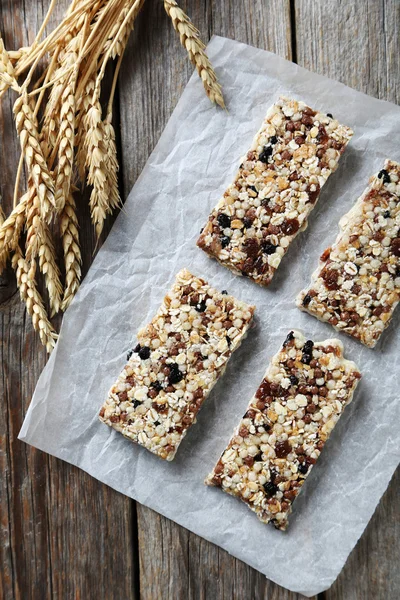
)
(63, 534)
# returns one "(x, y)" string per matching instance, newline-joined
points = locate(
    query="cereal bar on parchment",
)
(357, 284)
(304, 391)
(179, 357)
(276, 188)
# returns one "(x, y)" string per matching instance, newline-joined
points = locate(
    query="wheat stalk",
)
(189, 37)
(27, 130)
(72, 252)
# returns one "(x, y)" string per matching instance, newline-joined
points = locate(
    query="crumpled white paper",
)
(154, 237)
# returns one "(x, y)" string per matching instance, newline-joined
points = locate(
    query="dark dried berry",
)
(224, 220)
(306, 300)
(156, 385)
(258, 457)
(201, 230)
(137, 348)
(303, 468)
(306, 359)
(294, 380)
(273, 139)
(136, 403)
(384, 175)
(308, 346)
(282, 449)
(329, 115)
(247, 222)
(228, 340)
(225, 241)
(144, 353)
(175, 375)
(289, 338)
(386, 214)
(268, 248)
(270, 488)
(201, 306)
(253, 188)
(265, 154)
(290, 227)
(225, 292)
(129, 354)
(395, 246)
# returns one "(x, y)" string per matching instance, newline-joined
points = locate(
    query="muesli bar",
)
(357, 284)
(304, 391)
(179, 357)
(276, 188)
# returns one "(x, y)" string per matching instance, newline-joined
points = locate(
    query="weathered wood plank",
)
(175, 564)
(358, 43)
(62, 533)
(354, 42)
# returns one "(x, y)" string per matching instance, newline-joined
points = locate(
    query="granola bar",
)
(180, 355)
(357, 284)
(290, 417)
(276, 188)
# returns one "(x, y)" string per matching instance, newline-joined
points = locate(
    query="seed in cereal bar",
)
(179, 357)
(357, 284)
(280, 437)
(278, 183)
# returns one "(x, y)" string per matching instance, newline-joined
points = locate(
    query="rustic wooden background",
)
(63, 534)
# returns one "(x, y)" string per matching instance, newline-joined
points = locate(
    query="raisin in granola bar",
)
(179, 358)
(276, 188)
(290, 417)
(357, 284)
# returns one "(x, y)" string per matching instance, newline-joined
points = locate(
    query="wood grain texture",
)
(358, 43)
(62, 533)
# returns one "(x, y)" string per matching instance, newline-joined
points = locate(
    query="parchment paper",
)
(153, 237)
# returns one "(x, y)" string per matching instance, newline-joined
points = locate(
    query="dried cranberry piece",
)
(251, 247)
(282, 449)
(330, 277)
(290, 226)
(395, 246)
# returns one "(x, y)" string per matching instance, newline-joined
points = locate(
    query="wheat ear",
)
(189, 36)
(27, 130)
(7, 74)
(39, 244)
(10, 231)
(25, 273)
(72, 251)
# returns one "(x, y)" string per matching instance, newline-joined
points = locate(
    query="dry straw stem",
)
(72, 253)
(27, 130)
(25, 273)
(190, 40)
